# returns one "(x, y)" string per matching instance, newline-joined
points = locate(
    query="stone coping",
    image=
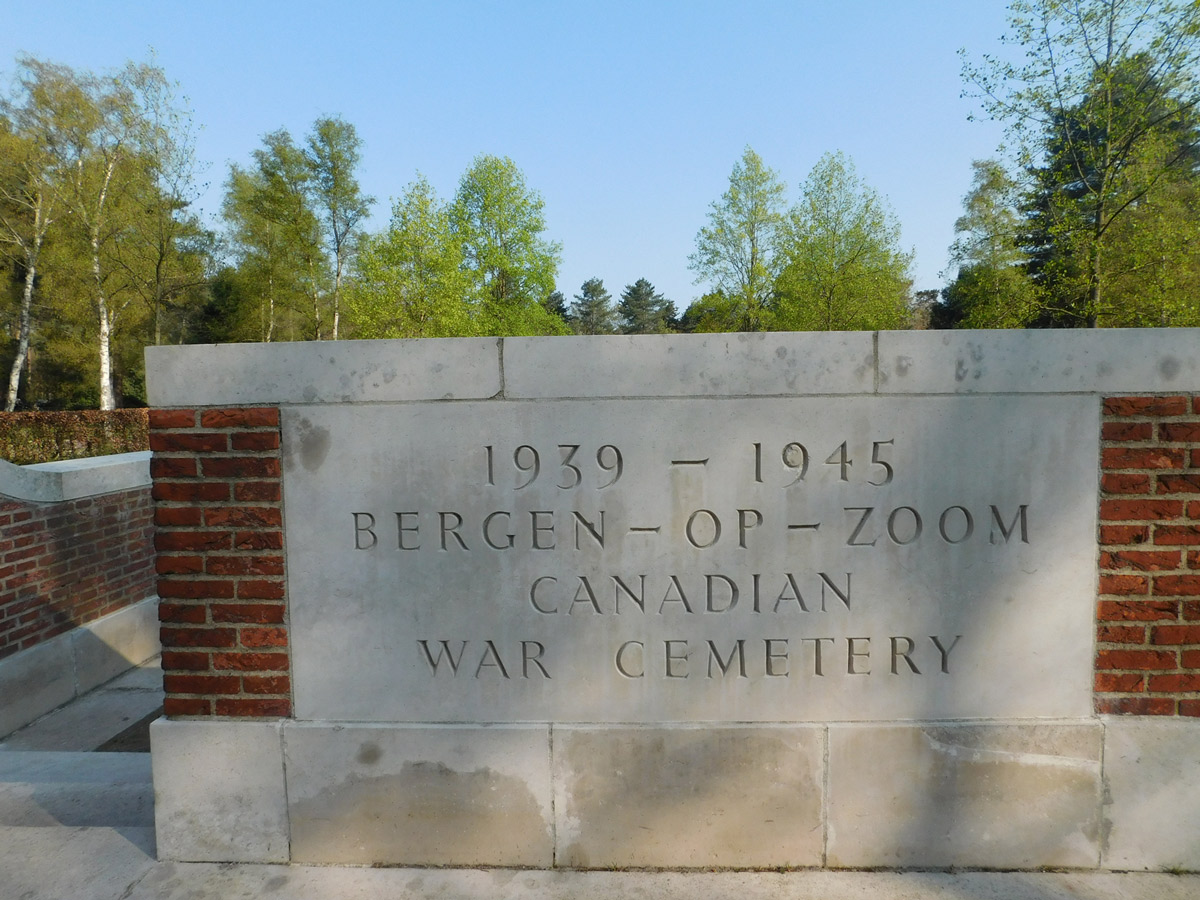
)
(1089, 361)
(70, 479)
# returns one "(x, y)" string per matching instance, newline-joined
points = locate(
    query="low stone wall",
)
(896, 599)
(76, 570)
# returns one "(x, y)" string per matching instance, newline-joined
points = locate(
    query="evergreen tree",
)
(644, 311)
(592, 312)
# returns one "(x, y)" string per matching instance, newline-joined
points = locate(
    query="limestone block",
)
(35, 681)
(1104, 361)
(334, 372)
(857, 558)
(1152, 793)
(438, 796)
(690, 365)
(219, 791)
(995, 795)
(109, 646)
(688, 796)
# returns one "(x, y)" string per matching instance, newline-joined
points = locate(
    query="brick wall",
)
(1148, 613)
(218, 512)
(67, 563)
(219, 518)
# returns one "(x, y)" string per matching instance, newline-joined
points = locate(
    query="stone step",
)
(41, 789)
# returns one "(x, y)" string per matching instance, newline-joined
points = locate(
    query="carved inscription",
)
(773, 598)
(755, 559)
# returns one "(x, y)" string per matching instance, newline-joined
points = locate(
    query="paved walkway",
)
(77, 823)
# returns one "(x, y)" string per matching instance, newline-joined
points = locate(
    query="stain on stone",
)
(1168, 367)
(314, 444)
(369, 753)
(960, 370)
(310, 394)
(425, 814)
(275, 883)
(903, 364)
(780, 352)
(1104, 369)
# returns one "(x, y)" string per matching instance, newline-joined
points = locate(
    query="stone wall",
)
(1042, 509)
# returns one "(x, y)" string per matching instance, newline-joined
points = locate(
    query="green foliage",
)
(120, 262)
(593, 312)
(843, 267)
(1101, 112)
(409, 280)
(34, 437)
(645, 311)
(992, 288)
(737, 252)
(712, 313)
(498, 222)
(332, 155)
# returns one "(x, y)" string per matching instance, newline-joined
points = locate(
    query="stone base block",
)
(219, 791)
(1004, 795)
(1152, 793)
(442, 796)
(689, 797)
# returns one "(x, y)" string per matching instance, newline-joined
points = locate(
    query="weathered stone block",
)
(689, 365)
(219, 791)
(997, 795)
(688, 797)
(449, 796)
(1152, 793)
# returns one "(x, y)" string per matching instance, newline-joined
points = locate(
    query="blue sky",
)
(627, 117)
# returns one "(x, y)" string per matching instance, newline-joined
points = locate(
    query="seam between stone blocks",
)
(553, 810)
(825, 798)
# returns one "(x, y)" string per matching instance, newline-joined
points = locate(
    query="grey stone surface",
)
(1152, 793)
(398, 533)
(995, 795)
(80, 863)
(93, 718)
(219, 791)
(1097, 361)
(689, 365)
(688, 797)
(70, 479)
(201, 882)
(35, 681)
(427, 796)
(323, 372)
(109, 646)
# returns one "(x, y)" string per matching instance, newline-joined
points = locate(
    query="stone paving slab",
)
(198, 881)
(89, 721)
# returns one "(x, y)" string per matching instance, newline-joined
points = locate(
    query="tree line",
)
(1087, 217)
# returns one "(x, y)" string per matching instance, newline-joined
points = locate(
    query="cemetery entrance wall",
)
(851, 599)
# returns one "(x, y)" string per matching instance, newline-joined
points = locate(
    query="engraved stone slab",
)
(419, 796)
(689, 796)
(717, 560)
(1010, 795)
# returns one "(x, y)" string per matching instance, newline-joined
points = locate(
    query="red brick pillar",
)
(1148, 614)
(219, 516)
